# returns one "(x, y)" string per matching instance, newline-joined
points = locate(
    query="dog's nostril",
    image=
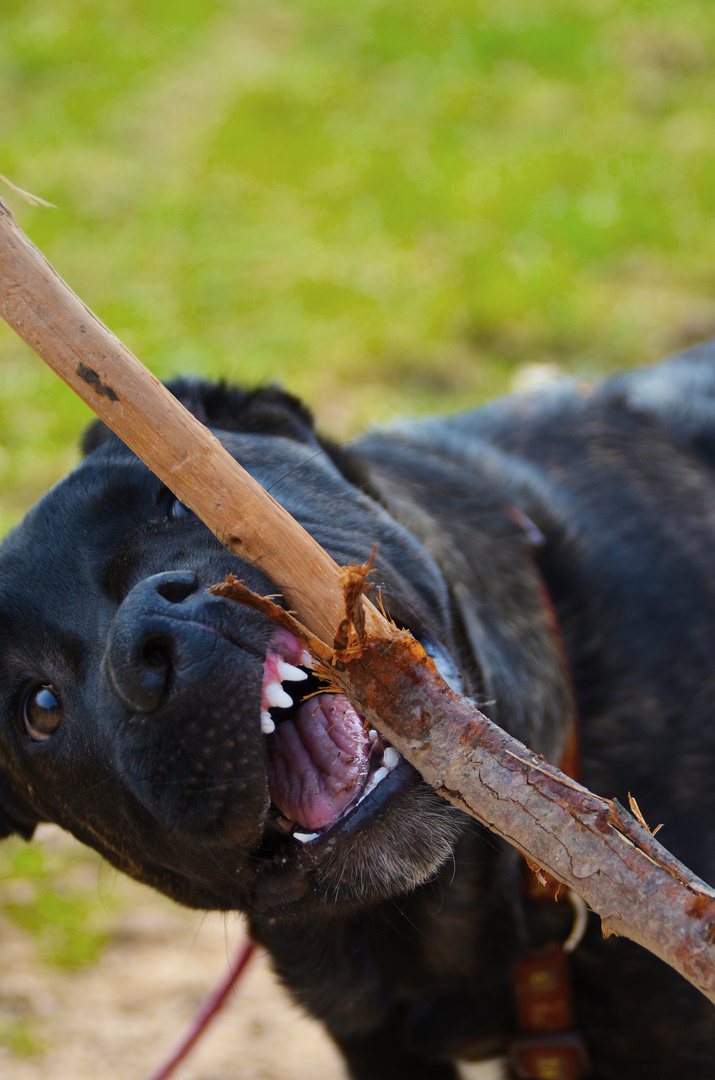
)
(156, 655)
(175, 590)
(141, 671)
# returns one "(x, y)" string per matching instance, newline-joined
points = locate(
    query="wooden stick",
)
(51, 318)
(590, 844)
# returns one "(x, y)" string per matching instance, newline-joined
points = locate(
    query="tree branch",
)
(590, 844)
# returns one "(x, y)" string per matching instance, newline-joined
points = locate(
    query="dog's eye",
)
(42, 712)
(175, 509)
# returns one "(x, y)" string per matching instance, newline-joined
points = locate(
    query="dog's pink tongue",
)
(318, 761)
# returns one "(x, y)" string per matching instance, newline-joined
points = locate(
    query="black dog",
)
(173, 731)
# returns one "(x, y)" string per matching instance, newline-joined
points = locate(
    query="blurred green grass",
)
(52, 890)
(387, 206)
(52, 893)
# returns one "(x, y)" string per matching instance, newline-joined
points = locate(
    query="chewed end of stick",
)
(350, 635)
(235, 590)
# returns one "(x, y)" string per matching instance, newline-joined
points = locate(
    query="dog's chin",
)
(394, 840)
(388, 850)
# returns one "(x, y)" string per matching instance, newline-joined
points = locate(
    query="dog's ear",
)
(267, 411)
(15, 814)
(94, 436)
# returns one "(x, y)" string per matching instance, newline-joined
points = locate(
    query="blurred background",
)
(388, 207)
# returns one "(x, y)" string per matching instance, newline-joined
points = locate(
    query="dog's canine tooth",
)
(390, 758)
(267, 723)
(288, 673)
(276, 697)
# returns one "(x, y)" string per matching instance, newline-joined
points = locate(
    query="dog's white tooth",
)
(374, 780)
(390, 757)
(288, 673)
(304, 837)
(267, 723)
(306, 659)
(372, 735)
(276, 696)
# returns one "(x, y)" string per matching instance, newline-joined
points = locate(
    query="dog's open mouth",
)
(322, 759)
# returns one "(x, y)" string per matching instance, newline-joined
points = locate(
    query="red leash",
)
(209, 1009)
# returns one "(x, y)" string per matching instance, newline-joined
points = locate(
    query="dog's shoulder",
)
(678, 394)
(568, 423)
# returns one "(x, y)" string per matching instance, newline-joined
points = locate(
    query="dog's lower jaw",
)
(385, 858)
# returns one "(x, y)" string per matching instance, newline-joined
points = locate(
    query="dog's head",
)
(179, 733)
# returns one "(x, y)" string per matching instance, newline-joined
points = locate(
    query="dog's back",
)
(617, 480)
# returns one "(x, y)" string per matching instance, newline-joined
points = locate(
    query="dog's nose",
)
(153, 639)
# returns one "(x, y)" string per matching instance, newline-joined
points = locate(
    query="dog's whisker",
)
(301, 465)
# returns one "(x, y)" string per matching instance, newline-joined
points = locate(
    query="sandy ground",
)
(121, 1016)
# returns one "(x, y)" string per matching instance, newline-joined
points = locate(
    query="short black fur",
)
(400, 934)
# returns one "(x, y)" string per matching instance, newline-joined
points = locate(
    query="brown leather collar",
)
(547, 1044)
